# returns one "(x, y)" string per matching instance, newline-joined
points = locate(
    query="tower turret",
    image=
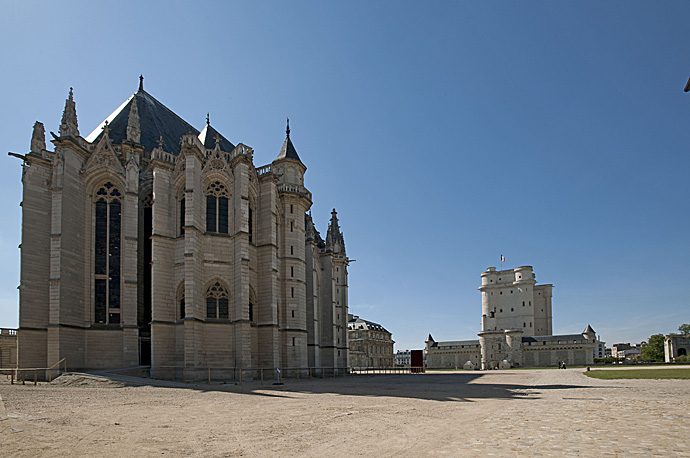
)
(288, 166)
(589, 333)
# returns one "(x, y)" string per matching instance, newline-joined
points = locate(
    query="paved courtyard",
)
(503, 413)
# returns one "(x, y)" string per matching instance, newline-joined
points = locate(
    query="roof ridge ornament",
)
(287, 129)
(208, 119)
(141, 82)
(68, 124)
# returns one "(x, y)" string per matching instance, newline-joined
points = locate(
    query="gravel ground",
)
(504, 413)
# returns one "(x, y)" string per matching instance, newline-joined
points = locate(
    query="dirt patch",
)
(500, 413)
(76, 379)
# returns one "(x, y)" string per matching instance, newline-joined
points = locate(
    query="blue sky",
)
(445, 133)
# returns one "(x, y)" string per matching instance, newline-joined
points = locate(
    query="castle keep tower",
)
(149, 242)
(513, 306)
(511, 299)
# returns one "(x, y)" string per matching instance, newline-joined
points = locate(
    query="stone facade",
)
(516, 329)
(8, 348)
(151, 243)
(676, 345)
(371, 345)
(403, 358)
(452, 354)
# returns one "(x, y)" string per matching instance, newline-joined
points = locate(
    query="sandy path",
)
(541, 412)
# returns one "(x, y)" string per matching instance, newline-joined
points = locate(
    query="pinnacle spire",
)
(133, 124)
(68, 124)
(287, 129)
(208, 119)
(141, 82)
(38, 138)
(334, 237)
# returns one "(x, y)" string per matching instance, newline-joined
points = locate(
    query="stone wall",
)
(8, 348)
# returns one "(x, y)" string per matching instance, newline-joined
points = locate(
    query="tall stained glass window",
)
(107, 241)
(217, 208)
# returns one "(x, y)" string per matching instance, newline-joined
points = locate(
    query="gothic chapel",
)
(149, 243)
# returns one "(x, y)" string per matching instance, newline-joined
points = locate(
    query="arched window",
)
(252, 301)
(217, 208)
(108, 211)
(180, 301)
(182, 210)
(251, 223)
(147, 213)
(217, 302)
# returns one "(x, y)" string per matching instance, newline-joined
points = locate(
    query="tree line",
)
(654, 350)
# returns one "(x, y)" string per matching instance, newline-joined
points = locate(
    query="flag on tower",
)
(503, 258)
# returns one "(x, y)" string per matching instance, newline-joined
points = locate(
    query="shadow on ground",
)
(437, 387)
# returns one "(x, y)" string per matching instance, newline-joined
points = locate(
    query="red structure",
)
(417, 361)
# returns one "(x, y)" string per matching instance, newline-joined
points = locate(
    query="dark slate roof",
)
(589, 330)
(288, 151)
(565, 337)
(208, 138)
(354, 320)
(455, 343)
(155, 120)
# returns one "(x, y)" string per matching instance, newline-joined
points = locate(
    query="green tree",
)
(654, 350)
(684, 329)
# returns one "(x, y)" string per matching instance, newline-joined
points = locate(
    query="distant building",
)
(516, 329)
(676, 345)
(452, 354)
(618, 350)
(8, 348)
(600, 349)
(626, 351)
(402, 358)
(371, 345)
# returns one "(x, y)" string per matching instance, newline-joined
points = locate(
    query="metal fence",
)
(268, 375)
(214, 374)
(22, 374)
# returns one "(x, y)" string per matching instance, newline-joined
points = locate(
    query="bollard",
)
(35, 383)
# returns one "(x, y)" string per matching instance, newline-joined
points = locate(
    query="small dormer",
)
(209, 137)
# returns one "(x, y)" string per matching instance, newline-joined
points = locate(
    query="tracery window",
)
(108, 215)
(217, 208)
(217, 304)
